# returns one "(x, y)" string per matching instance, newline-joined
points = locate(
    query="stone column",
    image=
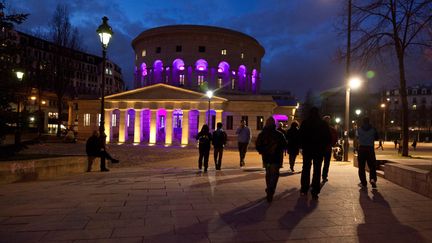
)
(122, 126)
(138, 126)
(153, 114)
(70, 111)
(185, 128)
(108, 117)
(202, 118)
(168, 127)
(218, 116)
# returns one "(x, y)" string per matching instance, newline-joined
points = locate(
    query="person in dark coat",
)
(219, 141)
(314, 137)
(204, 138)
(329, 149)
(282, 130)
(293, 138)
(271, 144)
(244, 137)
(94, 149)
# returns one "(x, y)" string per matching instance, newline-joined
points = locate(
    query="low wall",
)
(49, 168)
(414, 179)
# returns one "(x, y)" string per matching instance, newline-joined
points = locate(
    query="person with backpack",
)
(204, 138)
(271, 144)
(219, 142)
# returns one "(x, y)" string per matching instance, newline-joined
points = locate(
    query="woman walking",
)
(204, 138)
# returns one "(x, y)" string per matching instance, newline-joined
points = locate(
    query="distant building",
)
(37, 56)
(419, 115)
(174, 67)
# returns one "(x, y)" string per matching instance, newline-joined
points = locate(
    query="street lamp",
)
(383, 106)
(105, 32)
(19, 76)
(352, 83)
(209, 94)
(338, 120)
(358, 112)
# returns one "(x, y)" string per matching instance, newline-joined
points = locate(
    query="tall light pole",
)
(105, 33)
(347, 93)
(383, 106)
(209, 94)
(19, 75)
(352, 83)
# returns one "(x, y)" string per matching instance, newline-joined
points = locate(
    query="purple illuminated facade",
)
(198, 58)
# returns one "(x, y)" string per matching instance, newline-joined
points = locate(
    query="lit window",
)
(114, 120)
(200, 80)
(223, 52)
(98, 119)
(127, 120)
(219, 82)
(232, 83)
(143, 53)
(181, 79)
(86, 119)
(242, 55)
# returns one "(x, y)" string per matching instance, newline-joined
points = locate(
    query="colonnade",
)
(153, 124)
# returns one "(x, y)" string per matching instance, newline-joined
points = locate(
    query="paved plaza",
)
(149, 200)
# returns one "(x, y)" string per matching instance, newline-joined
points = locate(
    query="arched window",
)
(143, 69)
(254, 79)
(157, 71)
(201, 65)
(178, 74)
(242, 77)
(178, 65)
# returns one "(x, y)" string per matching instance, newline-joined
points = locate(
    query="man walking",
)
(314, 137)
(366, 135)
(329, 149)
(219, 141)
(243, 138)
(271, 144)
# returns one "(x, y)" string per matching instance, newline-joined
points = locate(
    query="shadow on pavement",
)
(380, 221)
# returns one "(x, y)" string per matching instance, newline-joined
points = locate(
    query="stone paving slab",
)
(170, 202)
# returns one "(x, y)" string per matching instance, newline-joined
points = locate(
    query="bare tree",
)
(66, 39)
(396, 27)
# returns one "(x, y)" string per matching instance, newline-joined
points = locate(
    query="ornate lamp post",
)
(209, 94)
(105, 32)
(353, 83)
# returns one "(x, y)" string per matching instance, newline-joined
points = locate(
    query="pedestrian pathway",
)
(170, 202)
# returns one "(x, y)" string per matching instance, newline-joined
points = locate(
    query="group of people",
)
(316, 137)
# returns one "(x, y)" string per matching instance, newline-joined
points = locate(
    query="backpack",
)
(203, 139)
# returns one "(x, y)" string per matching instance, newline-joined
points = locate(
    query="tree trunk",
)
(403, 97)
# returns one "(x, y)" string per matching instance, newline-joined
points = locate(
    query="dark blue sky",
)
(300, 37)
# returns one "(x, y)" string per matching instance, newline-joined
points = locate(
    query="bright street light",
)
(337, 120)
(209, 94)
(354, 83)
(358, 112)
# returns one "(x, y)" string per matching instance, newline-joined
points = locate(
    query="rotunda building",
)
(198, 58)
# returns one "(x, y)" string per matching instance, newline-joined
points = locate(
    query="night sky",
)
(301, 37)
